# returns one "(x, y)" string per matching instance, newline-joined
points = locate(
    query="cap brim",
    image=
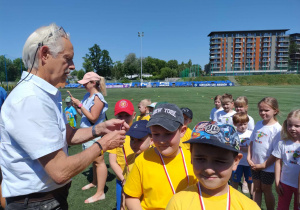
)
(83, 81)
(127, 111)
(212, 142)
(165, 123)
(137, 134)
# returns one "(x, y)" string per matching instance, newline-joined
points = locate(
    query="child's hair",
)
(218, 97)
(271, 102)
(241, 101)
(101, 86)
(145, 102)
(240, 118)
(285, 135)
(226, 98)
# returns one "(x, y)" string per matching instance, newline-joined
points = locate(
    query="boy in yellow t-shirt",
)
(144, 111)
(164, 170)
(119, 158)
(215, 154)
(188, 117)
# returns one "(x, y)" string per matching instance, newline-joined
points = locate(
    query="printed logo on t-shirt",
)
(244, 141)
(295, 159)
(259, 135)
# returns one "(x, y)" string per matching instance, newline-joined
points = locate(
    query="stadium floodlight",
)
(141, 34)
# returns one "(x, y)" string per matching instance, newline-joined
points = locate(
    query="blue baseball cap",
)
(219, 135)
(138, 129)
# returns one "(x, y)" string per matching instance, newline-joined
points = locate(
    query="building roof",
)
(250, 31)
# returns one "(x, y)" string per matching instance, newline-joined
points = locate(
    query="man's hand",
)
(112, 140)
(111, 125)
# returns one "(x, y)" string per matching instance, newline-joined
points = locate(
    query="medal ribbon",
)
(202, 202)
(166, 171)
(125, 157)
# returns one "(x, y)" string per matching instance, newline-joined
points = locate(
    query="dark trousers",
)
(53, 200)
(51, 204)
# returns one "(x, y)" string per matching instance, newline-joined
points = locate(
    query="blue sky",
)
(174, 29)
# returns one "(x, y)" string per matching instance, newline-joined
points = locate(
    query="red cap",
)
(124, 105)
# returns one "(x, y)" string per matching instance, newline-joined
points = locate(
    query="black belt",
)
(59, 194)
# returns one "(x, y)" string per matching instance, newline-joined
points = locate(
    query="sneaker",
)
(245, 188)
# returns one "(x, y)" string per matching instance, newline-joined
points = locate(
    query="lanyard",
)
(202, 203)
(167, 174)
(125, 157)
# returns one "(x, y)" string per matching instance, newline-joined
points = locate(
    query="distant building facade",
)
(240, 52)
(295, 53)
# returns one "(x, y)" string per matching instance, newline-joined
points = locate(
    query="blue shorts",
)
(240, 171)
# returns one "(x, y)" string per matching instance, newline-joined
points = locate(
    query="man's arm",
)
(81, 135)
(62, 168)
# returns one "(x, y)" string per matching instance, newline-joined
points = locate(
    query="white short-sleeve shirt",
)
(32, 125)
(245, 141)
(213, 112)
(223, 117)
(289, 153)
(265, 139)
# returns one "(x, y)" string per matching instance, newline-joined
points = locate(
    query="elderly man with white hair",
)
(36, 168)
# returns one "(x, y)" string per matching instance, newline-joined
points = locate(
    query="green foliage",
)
(206, 78)
(278, 79)
(117, 70)
(80, 74)
(168, 72)
(13, 68)
(74, 73)
(125, 80)
(98, 60)
(131, 64)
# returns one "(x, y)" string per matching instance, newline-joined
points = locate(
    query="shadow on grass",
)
(89, 176)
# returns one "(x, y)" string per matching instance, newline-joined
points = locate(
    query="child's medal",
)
(167, 174)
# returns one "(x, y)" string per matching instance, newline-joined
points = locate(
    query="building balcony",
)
(282, 65)
(215, 52)
(265, 56)
(283, 45)
(238, 40)
(215, 42)
(282, 50)
(249, 46)
(215, 37)
(266, 50)
(215, 47)
(214, 57)
(283, 40)
(214, 62)
(282, 61)
(266, 40)
(283, 55)
(238, 51)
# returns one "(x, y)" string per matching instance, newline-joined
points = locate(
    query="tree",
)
(189, 64)
(130, 64)
(167, 72)
(105, 64)
(118, 70)
(207, 69)
(74, 73)
(172, 64)
(80, 74)
(98, 60)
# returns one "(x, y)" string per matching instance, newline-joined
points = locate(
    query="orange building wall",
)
(257, 53)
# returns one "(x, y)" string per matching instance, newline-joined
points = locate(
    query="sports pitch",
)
(198, 99)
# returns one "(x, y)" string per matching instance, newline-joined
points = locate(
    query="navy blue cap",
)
(138, 129)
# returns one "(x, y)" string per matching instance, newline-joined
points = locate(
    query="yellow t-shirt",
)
(120, 155)
(189, 199)
(146, 117)
(148, 179)
(186, 137)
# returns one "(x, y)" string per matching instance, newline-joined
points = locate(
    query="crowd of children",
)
(163, 164)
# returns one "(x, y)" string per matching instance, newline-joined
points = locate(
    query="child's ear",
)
(237, 161)
(182, 131)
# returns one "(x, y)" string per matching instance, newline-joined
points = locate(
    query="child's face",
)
(293, 127)
(142, 108)
(227, 106)
(266, 112)
(218, 104)
(167, 142)
(213, 167)
(187, 120)
(140, 145)
(126, 117)
(242, 109)
(241, 127)
(68, 104)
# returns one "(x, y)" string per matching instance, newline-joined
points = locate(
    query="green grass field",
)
(199, 100)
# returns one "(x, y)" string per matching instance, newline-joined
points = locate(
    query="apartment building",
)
(295, 53)
(240, 52)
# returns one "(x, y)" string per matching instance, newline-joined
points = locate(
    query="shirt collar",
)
(38, 81)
